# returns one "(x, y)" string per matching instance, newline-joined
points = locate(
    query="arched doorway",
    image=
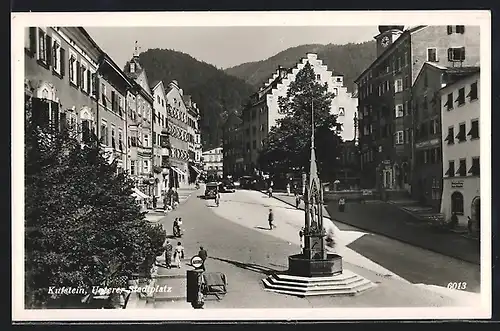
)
(457, 203)
(476, 209)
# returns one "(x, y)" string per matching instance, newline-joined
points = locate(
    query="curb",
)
(383, 235)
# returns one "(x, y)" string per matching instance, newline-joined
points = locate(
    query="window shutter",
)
(88, 80)
(44, 113)
(32, 36)
(63, 61)
(55, 114)
(63, 122)
(82, 78)
(450, 54)
(113, 101)
(450, 29)
(36, 110)
(94, 84)
(78, 73)
(463, 53)
(48, 49)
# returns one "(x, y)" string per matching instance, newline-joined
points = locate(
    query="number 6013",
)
(457, 286)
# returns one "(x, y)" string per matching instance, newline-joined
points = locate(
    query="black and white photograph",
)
(251, 165)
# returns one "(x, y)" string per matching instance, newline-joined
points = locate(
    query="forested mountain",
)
(215, 92)
(349, 60)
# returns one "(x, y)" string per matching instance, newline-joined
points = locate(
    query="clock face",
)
(385, 41)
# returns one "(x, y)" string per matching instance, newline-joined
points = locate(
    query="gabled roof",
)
(458, 73)
(154, 84)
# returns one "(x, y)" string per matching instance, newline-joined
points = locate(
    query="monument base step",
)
(345, 284)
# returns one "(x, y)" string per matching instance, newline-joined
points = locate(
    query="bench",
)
(214, 283)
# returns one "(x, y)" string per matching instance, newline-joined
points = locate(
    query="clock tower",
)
(388, 35)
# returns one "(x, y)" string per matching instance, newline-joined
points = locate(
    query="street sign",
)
(196, 261)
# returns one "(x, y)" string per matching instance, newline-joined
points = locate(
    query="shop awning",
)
(195, 169)
(139, 195)
(178, 171)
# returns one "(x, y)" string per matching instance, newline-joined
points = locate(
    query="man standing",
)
(288, 189)
(270, 219)
(203, 255)
(168, 254)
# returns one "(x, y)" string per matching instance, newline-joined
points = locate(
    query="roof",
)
(154, 84)
(391, 48)
(459, 73)
(454, 71)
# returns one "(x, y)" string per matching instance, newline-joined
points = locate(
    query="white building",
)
(160, 138)
(213, 162)
(343, 104)
(461, 146)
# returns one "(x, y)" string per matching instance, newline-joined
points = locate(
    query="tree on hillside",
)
(287, 147)
(82, 226)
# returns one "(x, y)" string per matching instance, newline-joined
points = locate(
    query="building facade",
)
(232, 148)
(177, 130)
(161, 144)
(386, 134)
(262, 112)
(194, 137)
(461, 148)
(72, 83)
(213, 163)
(55, 88)
(141, 128)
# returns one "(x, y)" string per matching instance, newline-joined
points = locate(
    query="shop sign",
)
(457, 183)
(427, 143)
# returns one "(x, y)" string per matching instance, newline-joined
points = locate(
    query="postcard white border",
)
(19, 21)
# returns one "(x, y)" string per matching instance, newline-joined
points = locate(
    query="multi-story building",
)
(232, 147)
(177, 129)
(72, 82)
(386, 134)
(56, 89)
(161, 145)
(193, 134)
(141, 127)
(460, 114)
(113, 89)
(263, 110)
(428, 163)
(213, 163)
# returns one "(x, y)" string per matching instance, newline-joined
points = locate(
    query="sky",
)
(223, 47)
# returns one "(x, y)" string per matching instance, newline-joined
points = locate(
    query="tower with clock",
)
(388, 34)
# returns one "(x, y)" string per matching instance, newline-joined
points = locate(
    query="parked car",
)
(247, 182)
(227, 187)
(211, 190)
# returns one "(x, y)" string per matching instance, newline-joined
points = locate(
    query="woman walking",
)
(178, 254)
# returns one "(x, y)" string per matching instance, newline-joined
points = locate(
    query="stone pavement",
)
(388, 220)
(249, 209)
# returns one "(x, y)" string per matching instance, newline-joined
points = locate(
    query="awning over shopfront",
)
(139, 195)
(178, 171)
(195, 169)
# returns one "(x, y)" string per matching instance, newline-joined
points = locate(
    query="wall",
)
(438, 37)
(459, 150)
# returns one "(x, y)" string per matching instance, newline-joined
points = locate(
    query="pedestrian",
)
(203, 255)
(178, 254)
(154, 201)
(165, 202)
(175, 198)
(301, 236)
(288, 189)
(270, 219)
(297, 201)
(270, 191)
(168, 254)
(454, 221)
(341, 204)
(175, 227)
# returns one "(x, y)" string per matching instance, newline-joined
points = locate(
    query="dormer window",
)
(132, 67)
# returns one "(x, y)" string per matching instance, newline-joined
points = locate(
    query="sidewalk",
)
(389, 221)
(249, 209)
(159, 213)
